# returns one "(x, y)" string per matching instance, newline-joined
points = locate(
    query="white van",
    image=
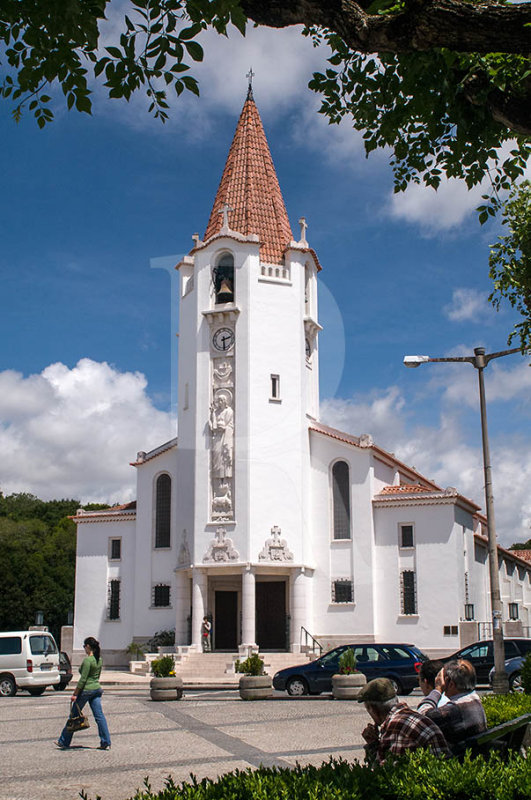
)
(28, 660)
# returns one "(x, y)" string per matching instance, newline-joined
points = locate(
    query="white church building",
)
(274, 525)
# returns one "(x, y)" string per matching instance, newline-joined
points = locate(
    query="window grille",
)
(161, 595)
(409, 592)
(163, 511)
(116, 549)
(406, 536)
(341, 500)
(114, 600)
(342, 591)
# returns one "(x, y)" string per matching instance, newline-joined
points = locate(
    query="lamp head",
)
(415, 361)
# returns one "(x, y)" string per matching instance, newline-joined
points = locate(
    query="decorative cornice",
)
(222, 316)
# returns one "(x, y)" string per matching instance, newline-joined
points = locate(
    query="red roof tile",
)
(405, 488)
(250, 186)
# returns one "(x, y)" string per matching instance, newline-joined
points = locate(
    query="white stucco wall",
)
(94, 570)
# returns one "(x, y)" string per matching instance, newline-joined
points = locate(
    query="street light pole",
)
(479, 360)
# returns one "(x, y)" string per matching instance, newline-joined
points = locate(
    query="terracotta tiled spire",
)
(249, 185)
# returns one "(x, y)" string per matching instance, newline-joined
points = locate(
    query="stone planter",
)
(255, 687)
(348, 687)
(166, 688)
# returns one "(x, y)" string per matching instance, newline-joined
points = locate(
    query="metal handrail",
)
(315, 645)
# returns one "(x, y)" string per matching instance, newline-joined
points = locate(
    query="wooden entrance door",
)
(226, 621)
(271, 615)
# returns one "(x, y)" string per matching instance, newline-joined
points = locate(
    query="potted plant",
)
(347, 684)
(254, 684)
(165, 685)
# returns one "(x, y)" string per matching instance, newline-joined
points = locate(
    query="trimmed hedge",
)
(503, 707)
(416, 776)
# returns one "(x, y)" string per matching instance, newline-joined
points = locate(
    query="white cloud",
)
(468, 305)
(72, 432)
(436, 211)
(443, 453)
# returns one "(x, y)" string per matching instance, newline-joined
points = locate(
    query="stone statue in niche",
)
(275, 548)
(221, 548)
(222, 432)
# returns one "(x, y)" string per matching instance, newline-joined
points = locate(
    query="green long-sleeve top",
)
(90, 671)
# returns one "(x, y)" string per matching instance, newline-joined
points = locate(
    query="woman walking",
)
(88, 690)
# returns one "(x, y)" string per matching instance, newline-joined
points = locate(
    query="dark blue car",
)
(398, 662)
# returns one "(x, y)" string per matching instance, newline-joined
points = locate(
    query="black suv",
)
(398, 662)
(481, 655)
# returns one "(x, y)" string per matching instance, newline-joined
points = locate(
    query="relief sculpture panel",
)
(221, 424)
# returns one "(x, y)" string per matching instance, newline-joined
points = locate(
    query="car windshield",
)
(42, 645)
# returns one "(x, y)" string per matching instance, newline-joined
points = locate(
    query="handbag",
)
(76, 722)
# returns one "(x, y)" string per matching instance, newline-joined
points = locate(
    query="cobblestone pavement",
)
(206, 733)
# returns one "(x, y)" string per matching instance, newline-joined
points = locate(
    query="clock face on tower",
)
(223, 339)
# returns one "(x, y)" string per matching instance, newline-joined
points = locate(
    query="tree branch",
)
(460, 25)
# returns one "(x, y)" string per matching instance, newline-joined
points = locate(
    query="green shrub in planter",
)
(253, 665)
(163, 667)
(526, 674)
(503, 707)
(347, 662)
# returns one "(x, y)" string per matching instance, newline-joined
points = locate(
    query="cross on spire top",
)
(250, 75)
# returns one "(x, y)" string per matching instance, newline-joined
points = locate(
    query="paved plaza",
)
(207, 733)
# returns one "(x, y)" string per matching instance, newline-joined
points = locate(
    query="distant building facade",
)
(271, 523)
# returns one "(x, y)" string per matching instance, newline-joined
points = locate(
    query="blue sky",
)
(90, 204)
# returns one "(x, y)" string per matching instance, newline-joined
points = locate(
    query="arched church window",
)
(163, 511)
(223, 277)
(341, 500)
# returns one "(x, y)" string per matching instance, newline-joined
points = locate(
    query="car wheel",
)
(515, 682)
(37, 691)
(297, 687)
(8, 687)
(396, 686)
(60, 687)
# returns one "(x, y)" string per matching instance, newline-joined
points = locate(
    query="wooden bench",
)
(509, 736)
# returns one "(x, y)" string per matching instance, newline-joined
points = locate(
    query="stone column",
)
(181, 605)
(199, 590)
(299, 582)
(248, 608)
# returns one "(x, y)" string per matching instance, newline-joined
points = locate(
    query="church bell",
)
(225, 293)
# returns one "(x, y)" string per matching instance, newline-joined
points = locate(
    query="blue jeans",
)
(93, 698)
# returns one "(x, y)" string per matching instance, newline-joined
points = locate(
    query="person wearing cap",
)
(463, 714)
(396, 728)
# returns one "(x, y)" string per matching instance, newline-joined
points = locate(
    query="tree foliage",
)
(37, 560)
(521, 545)
(510, 260)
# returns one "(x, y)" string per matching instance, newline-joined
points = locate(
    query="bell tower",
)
(248, 385)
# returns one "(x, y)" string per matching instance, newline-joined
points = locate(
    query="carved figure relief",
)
(184, 551)
(221, 548)
(221, 425)
(275, 548)
(222, 430)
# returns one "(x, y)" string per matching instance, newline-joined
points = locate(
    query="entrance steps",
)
(197, 667)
